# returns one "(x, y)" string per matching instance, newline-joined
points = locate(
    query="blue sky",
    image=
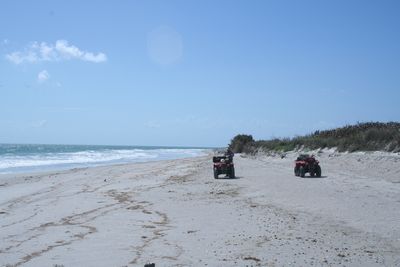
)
(194, 73)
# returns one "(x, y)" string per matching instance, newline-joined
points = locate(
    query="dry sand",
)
(173, 213)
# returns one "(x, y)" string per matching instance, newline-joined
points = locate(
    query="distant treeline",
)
(370, 136)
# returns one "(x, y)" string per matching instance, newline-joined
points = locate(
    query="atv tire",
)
(302, 172)
(296, 171)
(318, 171)
(215, 174)
(232, 173)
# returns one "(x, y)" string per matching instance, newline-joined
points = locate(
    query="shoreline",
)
(174, 213)
(58, 167)
(21, 158)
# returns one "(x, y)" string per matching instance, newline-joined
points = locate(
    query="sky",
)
(194, 73)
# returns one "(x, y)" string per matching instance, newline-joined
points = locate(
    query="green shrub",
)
(241, 143)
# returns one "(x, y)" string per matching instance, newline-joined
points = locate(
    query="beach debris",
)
(251, 259)
(149, 226)
(135, 207)
(150, 265)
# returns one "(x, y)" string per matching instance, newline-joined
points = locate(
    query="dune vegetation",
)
(368, 136)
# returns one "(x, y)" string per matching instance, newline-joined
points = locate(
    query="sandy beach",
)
(174, 213)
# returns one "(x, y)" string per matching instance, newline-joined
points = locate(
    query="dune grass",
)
(368, 136)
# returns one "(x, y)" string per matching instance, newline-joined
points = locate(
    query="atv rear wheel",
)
(302, 172)
(232, 173)
(318, 171)
(296, 171)
(215, 173)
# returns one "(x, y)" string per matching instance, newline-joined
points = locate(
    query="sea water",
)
(17, 158)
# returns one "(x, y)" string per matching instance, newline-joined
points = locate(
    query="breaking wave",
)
(26, 158)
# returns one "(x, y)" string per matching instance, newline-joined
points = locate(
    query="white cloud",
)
(153, 124)
(43, 76)
(18, 57)
(68, 51)
(39, 124)
(100, 57)
(6, 41)
(61, 50)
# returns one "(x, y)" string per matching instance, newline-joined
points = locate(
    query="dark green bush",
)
(241, 143)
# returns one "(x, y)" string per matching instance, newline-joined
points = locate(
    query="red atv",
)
(306, 163)
(224, 165)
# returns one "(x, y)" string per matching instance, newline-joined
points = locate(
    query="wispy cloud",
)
(61, 50)
(43, 76)
(62, 109)
(39, 124)
(153, 124)
(165, 45)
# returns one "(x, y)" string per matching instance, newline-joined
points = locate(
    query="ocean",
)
(19, 158)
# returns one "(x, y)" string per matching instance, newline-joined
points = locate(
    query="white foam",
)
(10, 163)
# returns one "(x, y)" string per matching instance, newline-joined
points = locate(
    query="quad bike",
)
(223, 165)
(307, 164)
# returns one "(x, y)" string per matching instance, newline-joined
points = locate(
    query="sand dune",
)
(173, 213)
